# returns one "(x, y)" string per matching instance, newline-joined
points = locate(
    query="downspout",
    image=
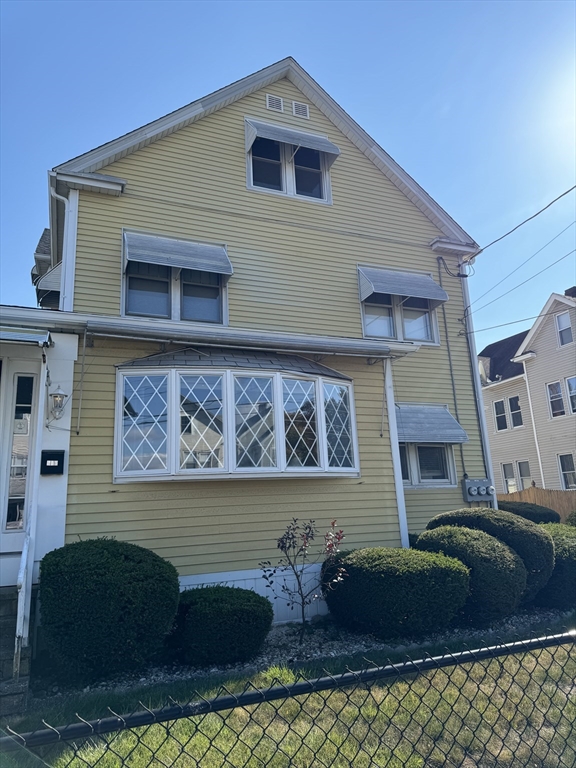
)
(534, 426)
(476, 384)
(395, 448)
(68, 247)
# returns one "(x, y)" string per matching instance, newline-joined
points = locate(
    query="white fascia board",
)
(522, 358)
(555, 297)
(290, 69)
(107, 185)
(201, 335)
(453, 248)
(502, 381)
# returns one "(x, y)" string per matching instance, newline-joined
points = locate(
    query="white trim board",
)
(566, 300)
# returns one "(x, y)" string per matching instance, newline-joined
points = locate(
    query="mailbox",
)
(52, 463)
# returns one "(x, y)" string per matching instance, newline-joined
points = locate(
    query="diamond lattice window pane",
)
(144, 423)
(254, 421)
(300, 423)
(201, 427)
(338, 428)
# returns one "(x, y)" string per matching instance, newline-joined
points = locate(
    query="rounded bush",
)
(396, 592)
(497, 574)
(530, 541)
(571, 519)
(560, 592)
(534, 512)
(220, 625)
(106, 606)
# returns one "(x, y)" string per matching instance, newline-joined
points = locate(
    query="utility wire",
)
(512, 322)
(473, 256)
(522, 264)
(524, 282)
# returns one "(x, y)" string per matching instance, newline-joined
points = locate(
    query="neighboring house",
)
(529, 388)
(262, 313)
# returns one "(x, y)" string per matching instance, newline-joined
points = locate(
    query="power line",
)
(525, 281)
(473, 256)
(523, 263)
(512, 322)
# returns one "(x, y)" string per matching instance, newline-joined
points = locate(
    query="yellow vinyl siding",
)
(221, 525)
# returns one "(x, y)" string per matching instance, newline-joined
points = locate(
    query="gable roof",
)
(569, 302)
(288, 68)
(500, 354)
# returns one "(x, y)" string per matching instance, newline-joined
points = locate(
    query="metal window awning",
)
(172, 252)
(418, 423)
(25, 336)
(255, 129)
(50, 281)
(373, 280)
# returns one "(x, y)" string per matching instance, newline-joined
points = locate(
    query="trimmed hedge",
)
(530, 541)
(106, 606)
(534, 512)
(397, 592)
(220, 625)
(571, 519)
(497, 574)
(560, 592)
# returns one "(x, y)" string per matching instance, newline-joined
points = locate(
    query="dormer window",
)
(399, 305)
(288, 162)
(175, 279)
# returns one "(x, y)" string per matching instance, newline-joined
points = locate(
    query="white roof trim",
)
(566, 300)
(50, 281)
(10, 335)
(290, 69)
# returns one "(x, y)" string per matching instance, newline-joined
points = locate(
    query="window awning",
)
(25, 336)
(171, 252)
(373, 280)
(419, 423)
(50, 281)
(255, 129)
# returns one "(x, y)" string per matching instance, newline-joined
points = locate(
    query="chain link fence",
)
(507, 706)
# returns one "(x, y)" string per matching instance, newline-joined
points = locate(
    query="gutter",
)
(200, 335)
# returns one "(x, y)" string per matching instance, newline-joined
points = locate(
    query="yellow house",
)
(265, 319)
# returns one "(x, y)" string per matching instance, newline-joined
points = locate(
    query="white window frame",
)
(558, 329)
(561, 472)
(507, 414)
(230, 471)
(398, 323)
(415, 482)
(505, 479)
(521, 478)
(549, 400)
(175, 300)
(510, 411)
(571, 410)
(496, 415)
(289, 178)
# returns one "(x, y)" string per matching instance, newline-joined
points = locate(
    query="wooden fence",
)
(562, 502)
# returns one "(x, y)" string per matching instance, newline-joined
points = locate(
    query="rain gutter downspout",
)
(395, 448)
(68, 247)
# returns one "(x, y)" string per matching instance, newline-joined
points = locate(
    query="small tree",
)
(295, 584)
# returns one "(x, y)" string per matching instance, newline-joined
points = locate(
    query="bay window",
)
(177, 423)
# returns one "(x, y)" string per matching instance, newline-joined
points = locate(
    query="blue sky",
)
(474, 99)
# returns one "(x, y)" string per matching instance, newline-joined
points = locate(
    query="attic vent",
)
(274, 102)
(300, 109)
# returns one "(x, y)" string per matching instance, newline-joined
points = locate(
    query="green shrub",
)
(497, 574)
(560, 592)
(571, 519)
(530, 541)
(220, 625)
(534, 512)
(397, 592)
(106, 606)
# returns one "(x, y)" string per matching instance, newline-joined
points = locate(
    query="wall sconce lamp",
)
(58, 401)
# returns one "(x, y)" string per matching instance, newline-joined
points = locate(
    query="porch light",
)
(58, 402)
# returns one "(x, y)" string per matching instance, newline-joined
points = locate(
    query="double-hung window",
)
(510, 485)
(399, 305)
(508, 415)
(571, 390)
(175, 279)
(500, 415)
(524, 475)
(567, 471)
(564, 329)
(287, 161)
(556, 399)
(214, 423)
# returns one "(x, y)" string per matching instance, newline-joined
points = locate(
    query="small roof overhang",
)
(255, 129)
(50, 281)
(172, 252)
(35, 336)
(427, 423)
(374, 280)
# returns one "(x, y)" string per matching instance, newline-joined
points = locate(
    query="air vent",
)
(300, 109)
(274, 102)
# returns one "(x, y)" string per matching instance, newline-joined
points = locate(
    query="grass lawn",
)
(513, 712)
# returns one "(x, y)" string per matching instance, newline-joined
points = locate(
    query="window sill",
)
(278, 193)
(404, 342)
(312, 474)
(429, 486)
